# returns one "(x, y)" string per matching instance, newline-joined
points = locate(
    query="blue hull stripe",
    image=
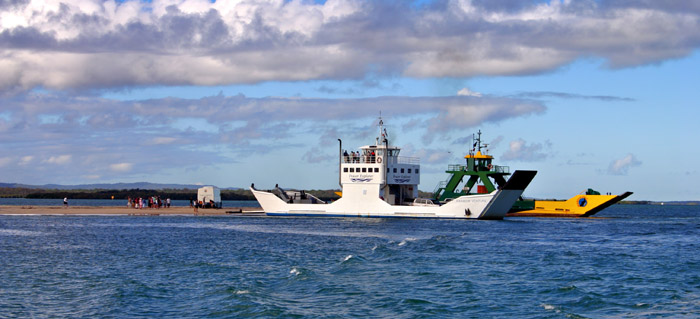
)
(358, 216)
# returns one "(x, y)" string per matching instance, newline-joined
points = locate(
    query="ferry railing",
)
(359, 159)
(496, 168)
(440, 185)
(456, 167)
(501, 169)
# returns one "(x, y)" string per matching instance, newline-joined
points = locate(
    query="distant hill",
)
(114, 186)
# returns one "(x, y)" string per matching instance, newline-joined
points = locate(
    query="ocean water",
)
(630, 262)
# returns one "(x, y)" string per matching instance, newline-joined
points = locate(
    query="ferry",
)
(480, 173)
(377, 182)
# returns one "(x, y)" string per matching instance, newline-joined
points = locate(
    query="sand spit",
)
(111, 210)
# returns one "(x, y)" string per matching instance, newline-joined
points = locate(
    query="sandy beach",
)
(107, 210)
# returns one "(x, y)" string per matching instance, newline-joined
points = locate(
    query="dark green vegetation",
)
(184, 194)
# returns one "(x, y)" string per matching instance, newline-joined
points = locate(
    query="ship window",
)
(394, 169)
(402, 171)
(352, 170)
(409, 171)
(376, 169)
(364, 169)
(417, 172)
(345, 169)
(387, 170)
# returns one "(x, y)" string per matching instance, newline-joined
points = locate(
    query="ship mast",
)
(478, 141)
(382, 132)
(476, 144)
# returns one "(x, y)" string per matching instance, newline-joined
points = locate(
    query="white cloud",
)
(621, 166)
(163, 140)
(520, 150)
(121, 167)
(238, 119)
(59, 160)
(468, 92)
(475, 111)
(84, 44)
(26, 160)
(111, 138)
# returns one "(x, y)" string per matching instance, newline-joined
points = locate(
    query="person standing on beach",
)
(65, 202)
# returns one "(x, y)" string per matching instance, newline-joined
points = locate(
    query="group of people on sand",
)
(148, 202)
(357, 157)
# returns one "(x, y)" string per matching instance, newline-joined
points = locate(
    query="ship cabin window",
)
(417, 172)
(345, 169)
(364, 169)
(376, 169)
(352, 169)
(388, 170)
(402, 171)
(394, 169)
(409, 171)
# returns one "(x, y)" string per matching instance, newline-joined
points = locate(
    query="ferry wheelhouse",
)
(377, 182)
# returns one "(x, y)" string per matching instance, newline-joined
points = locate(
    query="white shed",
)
(208, 194)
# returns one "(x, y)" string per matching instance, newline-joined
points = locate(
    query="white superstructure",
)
(377, 182)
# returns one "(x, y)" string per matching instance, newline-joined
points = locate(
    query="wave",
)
(20, 232)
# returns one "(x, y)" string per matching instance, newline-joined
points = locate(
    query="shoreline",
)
(125, 211)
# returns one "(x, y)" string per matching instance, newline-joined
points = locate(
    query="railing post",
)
(340, 163)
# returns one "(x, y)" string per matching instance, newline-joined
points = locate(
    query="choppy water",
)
(642, 262)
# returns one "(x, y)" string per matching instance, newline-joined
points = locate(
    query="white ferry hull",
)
(486, 206)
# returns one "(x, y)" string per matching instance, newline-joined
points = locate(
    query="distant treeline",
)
(13, 192)
(176, 194)
(636, 202)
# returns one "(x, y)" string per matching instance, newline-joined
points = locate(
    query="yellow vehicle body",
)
(581, 205)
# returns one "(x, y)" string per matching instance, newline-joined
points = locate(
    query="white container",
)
(208, 194)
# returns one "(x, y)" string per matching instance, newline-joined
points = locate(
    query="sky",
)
(591, 94)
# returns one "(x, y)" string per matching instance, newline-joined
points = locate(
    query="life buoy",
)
(379, 160)
(490, 166)
(582, 202)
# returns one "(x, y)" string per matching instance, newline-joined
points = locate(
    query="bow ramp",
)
(506, 197)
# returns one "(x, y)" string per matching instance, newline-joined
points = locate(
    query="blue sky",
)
(598, 94)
